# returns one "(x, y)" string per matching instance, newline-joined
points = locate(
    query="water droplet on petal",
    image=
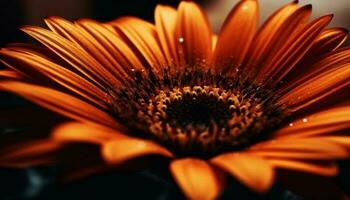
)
(181, 40)
(291, 124)
(305, 120)
(132, 69)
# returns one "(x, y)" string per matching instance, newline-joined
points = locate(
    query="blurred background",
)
(39, 183)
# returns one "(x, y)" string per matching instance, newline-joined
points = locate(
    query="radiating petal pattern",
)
(311, 90)
(247, 102)
(59, 102)
(141, 37)
(280, 63)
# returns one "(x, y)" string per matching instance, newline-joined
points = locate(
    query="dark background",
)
(39, 183)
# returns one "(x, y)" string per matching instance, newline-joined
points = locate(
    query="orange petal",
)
(29, 154)
(300, 155)
(72, 54)
(328, 62)
(41, 69)
(307, 145)
(10, 74)
(193, 34)
(165, 22)
(214, 41)
(279, 64)
(325, 122)
(329, 40)
(36, 49)
(141, 37)
(267, 35)
(197, 179)
(59, 102)
(252, 171)
(112, 42)
(342, 140)
(80, 132)
(323, 169)
(285, 34)
(236, 35)
(311, 90)
(118, 151)
(89, 41)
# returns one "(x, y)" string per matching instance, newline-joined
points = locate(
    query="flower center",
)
(201, 119)
(196, 113)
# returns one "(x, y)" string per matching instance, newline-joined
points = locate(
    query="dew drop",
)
(181, 40)
(305, 120)
(132, 69)
(291, 124)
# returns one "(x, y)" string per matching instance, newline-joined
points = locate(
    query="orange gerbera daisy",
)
(243, 103)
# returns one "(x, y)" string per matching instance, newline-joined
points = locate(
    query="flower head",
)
(240, 103)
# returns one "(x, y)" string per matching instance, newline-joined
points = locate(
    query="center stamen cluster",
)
(201, 118)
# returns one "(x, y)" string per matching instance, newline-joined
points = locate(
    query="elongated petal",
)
(323, 169)
(80, 132)
(141, 37)
(73, 55)
(193, 33)
(311, 90)
(59, 102)
(329, 40)
(279, 64)
(300, 155)
(197, 178)
(236, 35)
(10, 74)
(165, 22)
(29, 154)
(284, 33)
(267, 35)
(118, 151)
(321, 123)
(330, 61)
(42, 69)
(307, 145)
(91, 42)
(252, 171)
